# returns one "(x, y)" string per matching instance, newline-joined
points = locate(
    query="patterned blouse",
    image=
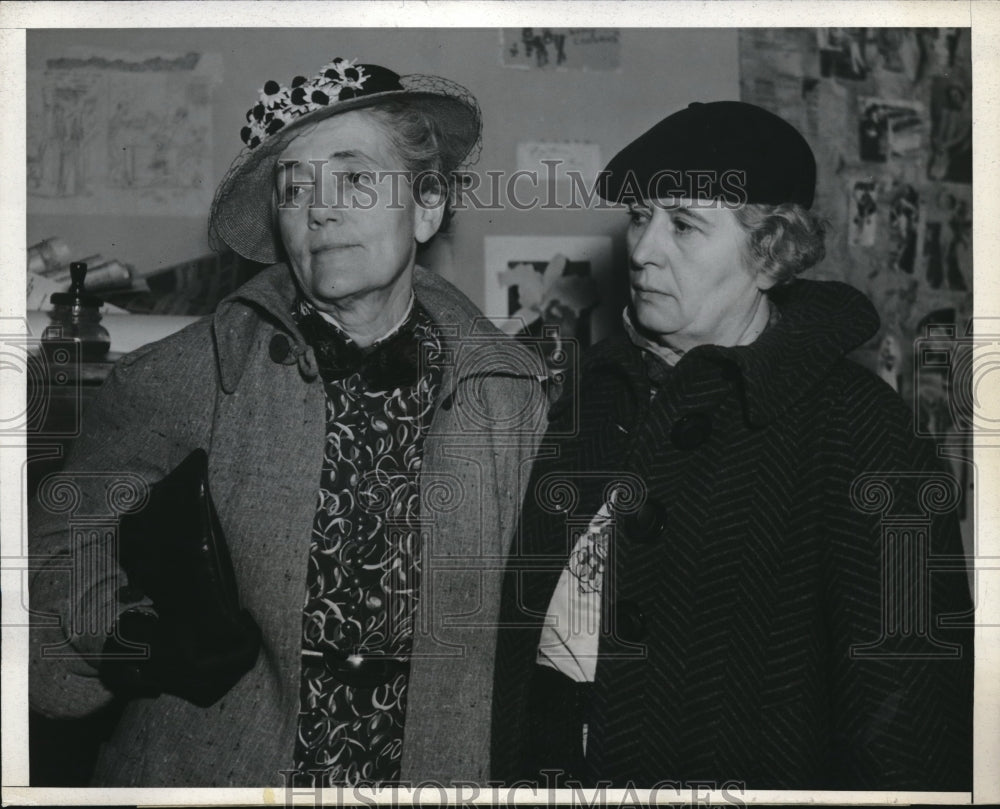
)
(364, 565)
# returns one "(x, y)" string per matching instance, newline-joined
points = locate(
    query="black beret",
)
(729, 151)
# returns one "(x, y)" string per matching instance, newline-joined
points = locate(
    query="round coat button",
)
(648, 523)
(279, 348)
(691, 431)
(630, 623)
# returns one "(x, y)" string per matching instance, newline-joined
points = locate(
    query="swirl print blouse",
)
(364, 565)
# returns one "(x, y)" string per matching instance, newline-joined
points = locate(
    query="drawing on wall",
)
(890, 129)
(561, 48)
(951, 133)
(121, 134)
(541, 288)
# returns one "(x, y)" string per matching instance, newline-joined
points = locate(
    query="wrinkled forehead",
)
(358, 134)
(709, 208)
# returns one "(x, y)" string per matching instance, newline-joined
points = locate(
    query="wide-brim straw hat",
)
(243, 211)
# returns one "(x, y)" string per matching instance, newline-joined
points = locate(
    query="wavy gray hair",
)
(782, 240)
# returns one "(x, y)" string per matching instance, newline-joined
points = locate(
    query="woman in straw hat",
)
(364, 430)
(738, 566)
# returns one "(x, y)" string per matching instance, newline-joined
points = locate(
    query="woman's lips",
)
(326, 248)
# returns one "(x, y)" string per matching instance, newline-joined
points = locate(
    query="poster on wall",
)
(560, 48)
(121, 133)
(543, 289)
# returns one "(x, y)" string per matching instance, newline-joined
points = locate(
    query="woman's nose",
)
(648, 247)
(324, 209)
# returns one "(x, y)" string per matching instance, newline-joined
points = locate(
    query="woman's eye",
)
(294, 191)
(682, 226)
(637, 217)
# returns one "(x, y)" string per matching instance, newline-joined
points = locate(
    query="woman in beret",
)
(721, 572)
(358, 440)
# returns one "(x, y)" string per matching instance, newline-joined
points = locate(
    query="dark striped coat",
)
(743, 637)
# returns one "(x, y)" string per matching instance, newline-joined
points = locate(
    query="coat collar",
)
(820, 323)
(269, 295)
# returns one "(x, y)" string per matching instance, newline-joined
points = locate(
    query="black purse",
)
(200, 642)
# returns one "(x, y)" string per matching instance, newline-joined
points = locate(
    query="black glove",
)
(200, 641)
(188, 662)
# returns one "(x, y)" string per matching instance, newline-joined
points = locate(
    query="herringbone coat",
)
(745, 641)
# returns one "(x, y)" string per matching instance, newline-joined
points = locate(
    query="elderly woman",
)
(722, 569)
(364, 431)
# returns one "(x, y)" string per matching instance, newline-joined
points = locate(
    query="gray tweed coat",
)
(222, 384)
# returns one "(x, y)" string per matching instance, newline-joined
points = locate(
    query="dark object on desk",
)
(192, 287)
(200, 643)
(76, 316)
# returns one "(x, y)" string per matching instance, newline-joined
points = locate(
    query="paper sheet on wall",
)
(561, 48)
(113, 133)
(560, 160)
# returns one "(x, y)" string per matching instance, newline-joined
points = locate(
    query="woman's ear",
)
(428, 215)
(764, 280)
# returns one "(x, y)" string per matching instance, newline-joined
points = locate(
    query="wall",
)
(661, 70)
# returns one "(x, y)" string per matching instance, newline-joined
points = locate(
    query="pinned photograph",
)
(904, 226)
(544, 288)
(890, 361)
(863, 210)
(540, 285)
(890, 129)
(933, 255)
(896, 50)
(948, 247)
(951, 132)
(841, 53)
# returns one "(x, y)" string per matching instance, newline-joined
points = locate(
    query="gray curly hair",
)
(782, 240)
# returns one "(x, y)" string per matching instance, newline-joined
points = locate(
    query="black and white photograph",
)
(951, 132)
(579, 401)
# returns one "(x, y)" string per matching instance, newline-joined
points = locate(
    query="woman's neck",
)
(367, 320)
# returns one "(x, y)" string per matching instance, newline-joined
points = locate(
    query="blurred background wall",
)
(658, 72)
